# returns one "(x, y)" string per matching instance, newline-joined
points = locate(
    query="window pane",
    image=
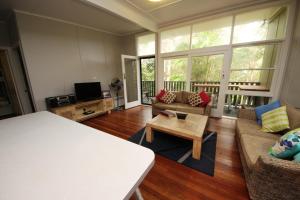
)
(260, 25)
(234, 102)
(206, 75)
(175, 40)
(207, 68)
(175, 74)
(251, 80)
(212, 33)
(254, 57)
(146, 44)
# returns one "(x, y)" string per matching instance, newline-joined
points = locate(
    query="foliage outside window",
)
(212, 33)
(207, 68)
(254, 64)
(175, 69)
(260, 25)
(175, 39)
(148, 69)
(146, 44)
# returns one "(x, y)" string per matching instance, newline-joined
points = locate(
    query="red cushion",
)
(160, 95)
(205, 98)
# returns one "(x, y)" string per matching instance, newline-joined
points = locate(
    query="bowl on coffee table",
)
(181, 116)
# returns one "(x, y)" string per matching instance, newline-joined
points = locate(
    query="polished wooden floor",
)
(170, 180)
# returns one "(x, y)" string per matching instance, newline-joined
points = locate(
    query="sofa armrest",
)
(208, 107)
(276, 175)
(247, 113)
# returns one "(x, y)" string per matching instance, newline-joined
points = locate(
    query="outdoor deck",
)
(232, 102)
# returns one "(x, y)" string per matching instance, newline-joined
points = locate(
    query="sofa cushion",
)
(194, 99)
(190, 109)
(275, 120)
(164, 106)
(250, 127)
(294, 117)
(205, 98)
(178, 98)
(169, 97)
(185, 96)
(287, 146)
(160, 95)
(265, 108)
(254, 146)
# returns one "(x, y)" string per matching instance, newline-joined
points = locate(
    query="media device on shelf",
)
(88, 91)
(58, 101)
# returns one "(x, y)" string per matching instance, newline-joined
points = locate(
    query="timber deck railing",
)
(211, 87)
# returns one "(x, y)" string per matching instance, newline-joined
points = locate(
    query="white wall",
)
(129, 45)
(291, 87)
(59, 54)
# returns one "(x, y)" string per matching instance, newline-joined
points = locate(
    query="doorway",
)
(147, 69)
(131, 81)
(15, 98)
(9, 104)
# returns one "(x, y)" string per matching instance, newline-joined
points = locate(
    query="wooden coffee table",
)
(192, 128)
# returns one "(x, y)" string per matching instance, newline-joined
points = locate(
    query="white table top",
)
(46, 157)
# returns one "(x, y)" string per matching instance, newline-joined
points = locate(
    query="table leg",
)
(138, 194)
(149, 134)
(197, 149)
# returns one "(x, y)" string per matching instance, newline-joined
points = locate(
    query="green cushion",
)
(287, 146)
(297, 158)
(275, 120)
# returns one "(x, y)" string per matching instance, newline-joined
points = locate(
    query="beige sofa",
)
(181, 104)
(267, 178)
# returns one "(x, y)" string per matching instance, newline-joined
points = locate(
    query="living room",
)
(202, 96)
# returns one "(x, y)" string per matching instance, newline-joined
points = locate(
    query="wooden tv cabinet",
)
(76, 111)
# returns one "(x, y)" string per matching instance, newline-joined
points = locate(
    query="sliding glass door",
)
(147, 69)
(207, 74)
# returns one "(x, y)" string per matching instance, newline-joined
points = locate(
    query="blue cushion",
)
(265, 108)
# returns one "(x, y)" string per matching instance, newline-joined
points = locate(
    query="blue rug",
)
(174, 148)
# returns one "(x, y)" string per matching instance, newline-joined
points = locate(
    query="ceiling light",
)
(154, 0)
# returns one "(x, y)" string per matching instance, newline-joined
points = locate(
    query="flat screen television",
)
(88, 91)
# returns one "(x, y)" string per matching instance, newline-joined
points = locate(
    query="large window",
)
(146, 45)
(175, 39)
(212, 33)
(234, 56)
(254, 65)
(260, 25)
(175, 70)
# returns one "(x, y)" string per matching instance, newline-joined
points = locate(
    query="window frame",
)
(281, 59)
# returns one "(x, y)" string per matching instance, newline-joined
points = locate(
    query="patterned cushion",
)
(275, 120)
(194, 99)
(169, 97)
(287, 146)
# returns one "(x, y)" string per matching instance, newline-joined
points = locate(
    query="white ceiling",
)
(148, 6)
(170, 11)
(76, 12)
(122, 16)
